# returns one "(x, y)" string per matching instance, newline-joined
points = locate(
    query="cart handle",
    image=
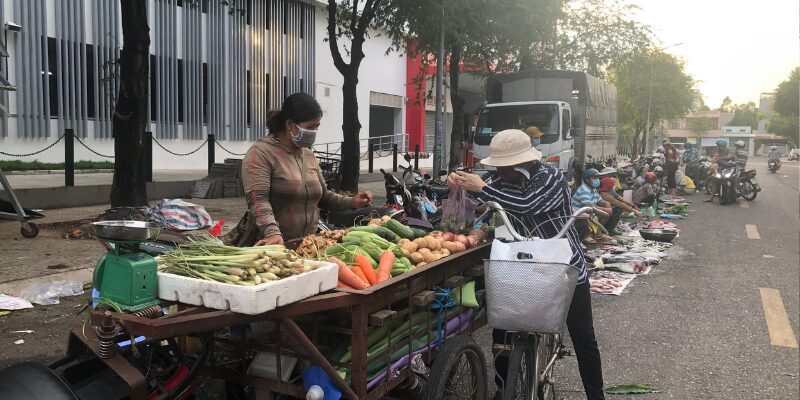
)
(493, 205)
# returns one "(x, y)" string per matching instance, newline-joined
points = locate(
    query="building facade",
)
(213, 70)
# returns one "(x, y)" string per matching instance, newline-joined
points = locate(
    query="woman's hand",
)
(270, 240)
(451, 180)
(361, 199)
(470, 182)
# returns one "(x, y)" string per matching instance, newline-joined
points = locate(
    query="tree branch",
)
(366, 17)
(338, 61)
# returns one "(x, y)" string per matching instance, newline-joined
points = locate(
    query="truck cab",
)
(553, 118)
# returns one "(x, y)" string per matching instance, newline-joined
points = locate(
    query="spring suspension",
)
(106, 333)
(150, 312)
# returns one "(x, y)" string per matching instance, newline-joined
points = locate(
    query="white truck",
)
(576, 112)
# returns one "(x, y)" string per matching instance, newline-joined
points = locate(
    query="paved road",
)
(696, 328)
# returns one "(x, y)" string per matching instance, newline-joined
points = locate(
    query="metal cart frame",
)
(27, 229)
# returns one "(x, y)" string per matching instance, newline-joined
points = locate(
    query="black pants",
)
(670, 170)
(581, 329)
(613, 219)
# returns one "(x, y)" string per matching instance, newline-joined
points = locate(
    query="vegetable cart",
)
(369, 342)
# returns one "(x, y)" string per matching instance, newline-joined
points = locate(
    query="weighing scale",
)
(125, 274)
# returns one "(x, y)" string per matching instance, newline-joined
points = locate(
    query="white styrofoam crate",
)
(248, 299)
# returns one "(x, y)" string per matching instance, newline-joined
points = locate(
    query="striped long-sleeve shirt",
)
(540, 205)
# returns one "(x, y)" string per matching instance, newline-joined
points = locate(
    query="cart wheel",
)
(459, 372)
(29, 230)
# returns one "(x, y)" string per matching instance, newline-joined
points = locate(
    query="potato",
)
(415, 257)
(403, 241)
(449, 236)
(432, 243)
(429, 257)
(410, 246)
(435, 234)
(420, 264)
(460, 247)
(445, 252)
(385, 218)
(405, 251)
(421, 243)
(450, 246)
(424, 251)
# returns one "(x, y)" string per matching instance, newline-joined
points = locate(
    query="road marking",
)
(752, 232)
(780, 329)
(744, 204)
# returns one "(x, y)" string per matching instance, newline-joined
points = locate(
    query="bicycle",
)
(533, 352)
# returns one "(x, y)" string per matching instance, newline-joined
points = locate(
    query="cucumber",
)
(377, 230)
(418, 233)
(373, 250)
(400, 229)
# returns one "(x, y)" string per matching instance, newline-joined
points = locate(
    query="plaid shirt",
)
(540, 205)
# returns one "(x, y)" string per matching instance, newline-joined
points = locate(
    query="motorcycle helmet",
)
(589, 172)
(659, 169)
(773, 147)
(722, 143)
(650, 177)
(739, 144)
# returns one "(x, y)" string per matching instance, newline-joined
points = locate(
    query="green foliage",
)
(745, 115)
(727, 105)
(594, 34)
(19, 165)
(672, 91)
(700, 125)
(785, 120)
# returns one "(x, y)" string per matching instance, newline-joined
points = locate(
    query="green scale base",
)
(127, 277)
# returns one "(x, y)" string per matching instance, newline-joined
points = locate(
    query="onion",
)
(473, 241)
(463, 239)
(449, 236)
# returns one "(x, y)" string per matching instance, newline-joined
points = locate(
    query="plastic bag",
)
(48, 293)
(458, 212)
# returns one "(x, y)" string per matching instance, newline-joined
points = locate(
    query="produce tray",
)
(248, 299)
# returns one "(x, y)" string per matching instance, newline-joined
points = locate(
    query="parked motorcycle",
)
(773, 166)
(417, 194)
(697, 170)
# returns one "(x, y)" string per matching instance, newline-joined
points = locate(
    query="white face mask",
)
(304, 137)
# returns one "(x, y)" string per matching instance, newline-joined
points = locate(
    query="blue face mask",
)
(537, 141)
(595, 183)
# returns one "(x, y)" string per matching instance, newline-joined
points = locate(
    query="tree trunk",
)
(130, 114)
(457, 134)
(635, 146)
(351, 127)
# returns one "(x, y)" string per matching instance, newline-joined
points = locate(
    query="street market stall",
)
(291, 332)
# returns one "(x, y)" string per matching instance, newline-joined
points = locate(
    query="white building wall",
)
(379, 72)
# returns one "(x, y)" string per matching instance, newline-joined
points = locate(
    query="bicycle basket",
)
(529, 296)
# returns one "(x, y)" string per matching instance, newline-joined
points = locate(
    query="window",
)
(91, 83)
(248, 6)
(204, 6)
(50, 78)
(676, 124)
(249, 90)
(565, 124)
(180, 90)
(153, 88)
(205, 93)
(495, 119)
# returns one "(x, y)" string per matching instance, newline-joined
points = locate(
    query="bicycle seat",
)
(32, 381)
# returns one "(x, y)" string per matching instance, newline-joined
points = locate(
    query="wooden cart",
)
(310, 329)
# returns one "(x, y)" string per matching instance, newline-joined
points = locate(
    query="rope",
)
(228, 151)
(442, 301)
(87, 148)
(35, 152)
(180, 154)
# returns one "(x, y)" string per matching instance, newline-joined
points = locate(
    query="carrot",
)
(360, 275)
(385, 265)
(347, 276)
(366, 268)
(342, 285)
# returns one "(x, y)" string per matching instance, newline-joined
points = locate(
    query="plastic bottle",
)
(315, 393)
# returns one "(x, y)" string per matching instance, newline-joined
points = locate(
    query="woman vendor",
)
(283, 184)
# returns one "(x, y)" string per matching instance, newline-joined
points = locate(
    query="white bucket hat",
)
(511, 147)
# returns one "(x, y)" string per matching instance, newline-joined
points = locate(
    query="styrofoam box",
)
(248, 299)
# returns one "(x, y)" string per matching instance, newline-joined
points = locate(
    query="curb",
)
(58, 172)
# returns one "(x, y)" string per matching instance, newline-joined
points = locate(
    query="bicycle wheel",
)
(549, 347)
(459, 372)
(748, 191)
(522, 377)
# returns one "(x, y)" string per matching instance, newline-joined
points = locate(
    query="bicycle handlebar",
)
(492, 205)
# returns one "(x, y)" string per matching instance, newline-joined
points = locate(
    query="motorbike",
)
(773, 166)
(734, 183)
(697, 170)
(416, 193)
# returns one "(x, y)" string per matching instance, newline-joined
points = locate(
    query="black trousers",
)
(670, 170)
(581, 329)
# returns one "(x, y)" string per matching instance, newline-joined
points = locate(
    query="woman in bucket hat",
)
(538, 197)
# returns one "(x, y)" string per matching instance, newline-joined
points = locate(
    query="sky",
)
(736, 48)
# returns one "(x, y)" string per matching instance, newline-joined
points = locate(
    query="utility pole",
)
(438, 137)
